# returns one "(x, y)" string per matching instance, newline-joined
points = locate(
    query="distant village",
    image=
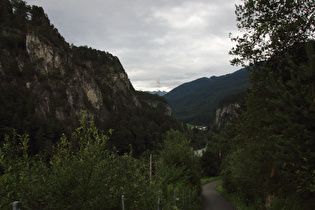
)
(201, 128)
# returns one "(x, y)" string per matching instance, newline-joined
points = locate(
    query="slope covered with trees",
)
(195, 102)
(53, 155)
(45, 83)
(268, 157)
(85, 172)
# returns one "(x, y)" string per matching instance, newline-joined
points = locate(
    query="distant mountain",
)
(196, 102)
(160, 93)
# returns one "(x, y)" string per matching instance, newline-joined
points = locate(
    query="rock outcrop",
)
(45, 83)
(224, 114)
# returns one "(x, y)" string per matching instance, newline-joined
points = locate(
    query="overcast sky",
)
(173, 41)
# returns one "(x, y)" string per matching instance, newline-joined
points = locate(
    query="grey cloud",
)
(174, 40)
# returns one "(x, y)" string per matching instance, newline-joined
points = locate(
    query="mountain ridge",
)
(160, 93)
(195, 102)
(45, 83)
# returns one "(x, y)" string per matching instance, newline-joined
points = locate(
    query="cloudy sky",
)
(173, 41)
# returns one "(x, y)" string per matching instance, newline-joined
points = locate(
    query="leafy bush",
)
(83, 172)
(178, 169)
(271, 162)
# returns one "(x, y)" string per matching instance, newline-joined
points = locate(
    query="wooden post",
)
(183, 197)
(150, 168)
(189, 196)
(159, 202)
(174, 197)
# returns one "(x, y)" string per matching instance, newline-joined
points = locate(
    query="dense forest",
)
(74, 132)
(266, 157)
(44, 97)
(195, 102)
(57, 154)
(84, 172)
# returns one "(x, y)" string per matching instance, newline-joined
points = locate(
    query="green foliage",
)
(178, 169)
(206, 180)
(195, 102)
(271, 154)
(83, 172)
(271, 27)
(234, 98)
(144, 128)
(233, 198)
(275, 132)
(45, 105)
(218, 148)
(197, 138)
(21, 175)
(210, 162)
(179, 154)
(100, 59)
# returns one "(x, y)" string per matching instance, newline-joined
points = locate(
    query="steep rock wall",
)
(224, 114)
(45, 83)
(73, 83)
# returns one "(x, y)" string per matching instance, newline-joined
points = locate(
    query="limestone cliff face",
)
(45, 83)
(65, 86)
(36, 49)
(224, 114)
(66, 80)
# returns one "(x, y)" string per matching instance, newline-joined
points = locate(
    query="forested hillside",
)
(45, 83)
(74, 134)
(267, 156)
(196, 102)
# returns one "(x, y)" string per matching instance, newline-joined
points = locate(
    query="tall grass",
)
(207, 180)
(234, 199)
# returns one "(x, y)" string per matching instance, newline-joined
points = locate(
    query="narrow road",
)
(213, 200)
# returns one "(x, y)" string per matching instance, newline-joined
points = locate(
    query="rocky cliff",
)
(225, 114)
(227, 110)
(76, 83)
(63, 85)
(45, 83)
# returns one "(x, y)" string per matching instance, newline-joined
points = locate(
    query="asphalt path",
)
(213, 200)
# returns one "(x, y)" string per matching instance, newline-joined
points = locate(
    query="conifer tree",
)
(274, 147)
(271, 27)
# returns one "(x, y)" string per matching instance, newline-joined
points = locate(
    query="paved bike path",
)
(213, 200)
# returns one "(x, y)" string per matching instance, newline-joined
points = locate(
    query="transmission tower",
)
(158, 84)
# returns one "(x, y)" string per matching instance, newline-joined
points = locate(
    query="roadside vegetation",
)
(84, 172)
(206, 180)
(238, 203)
(265, 157)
